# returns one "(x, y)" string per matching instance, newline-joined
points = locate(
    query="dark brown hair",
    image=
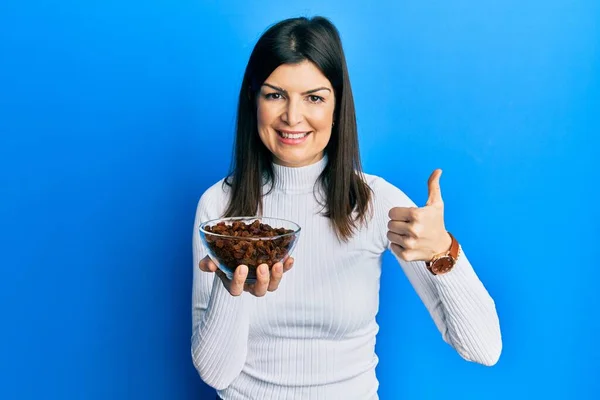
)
(290, 42)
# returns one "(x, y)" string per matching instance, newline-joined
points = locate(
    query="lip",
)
(291, 132)
(289, 141)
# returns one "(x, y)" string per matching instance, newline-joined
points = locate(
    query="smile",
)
(292, 135)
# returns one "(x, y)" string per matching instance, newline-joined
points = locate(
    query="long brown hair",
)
(348, 197)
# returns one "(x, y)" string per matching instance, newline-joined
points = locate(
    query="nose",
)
(293, 113)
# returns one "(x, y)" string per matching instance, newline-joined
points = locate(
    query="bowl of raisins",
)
(251, 241)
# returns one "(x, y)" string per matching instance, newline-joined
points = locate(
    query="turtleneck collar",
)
(298, 179)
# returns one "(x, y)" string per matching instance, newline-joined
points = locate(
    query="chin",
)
(297, 161)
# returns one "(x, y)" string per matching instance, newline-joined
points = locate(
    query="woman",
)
(311, 333)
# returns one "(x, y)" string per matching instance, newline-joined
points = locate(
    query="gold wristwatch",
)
(444, 262)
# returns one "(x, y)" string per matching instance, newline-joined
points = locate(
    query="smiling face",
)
(295, 108)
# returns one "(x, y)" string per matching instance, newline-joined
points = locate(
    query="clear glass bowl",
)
(251, 241)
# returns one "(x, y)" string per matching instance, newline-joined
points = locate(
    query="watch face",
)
(442, 265)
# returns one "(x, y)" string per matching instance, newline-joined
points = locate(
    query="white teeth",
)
(293, 135)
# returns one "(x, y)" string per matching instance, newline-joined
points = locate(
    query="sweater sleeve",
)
(219, 320)
(459, 304)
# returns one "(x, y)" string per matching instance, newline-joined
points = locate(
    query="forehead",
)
(298, 77)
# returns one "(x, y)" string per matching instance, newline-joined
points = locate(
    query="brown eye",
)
(273, 96)
(315, 99)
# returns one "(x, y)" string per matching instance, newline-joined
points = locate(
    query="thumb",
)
(435, 192)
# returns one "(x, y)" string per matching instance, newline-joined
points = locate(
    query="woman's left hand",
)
(419, 233)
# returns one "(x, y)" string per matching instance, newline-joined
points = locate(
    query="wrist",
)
(444, 260)
(445, 244)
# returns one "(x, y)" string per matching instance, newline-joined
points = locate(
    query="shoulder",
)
(218, 190)
(386, 194)
(213, 201)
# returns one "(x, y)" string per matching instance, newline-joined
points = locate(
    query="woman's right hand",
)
(265, 281)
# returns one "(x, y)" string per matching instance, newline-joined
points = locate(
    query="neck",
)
(298, 179)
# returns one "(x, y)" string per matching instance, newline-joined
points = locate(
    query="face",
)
(295, 114)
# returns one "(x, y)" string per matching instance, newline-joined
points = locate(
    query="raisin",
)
(232, 252)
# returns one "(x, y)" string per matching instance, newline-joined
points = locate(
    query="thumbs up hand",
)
(419, 233)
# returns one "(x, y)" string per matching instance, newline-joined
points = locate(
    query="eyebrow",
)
(305, 93)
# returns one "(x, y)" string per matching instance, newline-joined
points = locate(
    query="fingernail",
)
(243, 269)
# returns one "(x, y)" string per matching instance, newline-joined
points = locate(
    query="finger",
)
(262, 280)
(207, 265)
(288, 264)
(397, 249)
(400, 227)
(405, 254)
(406, 214)
(435, 192)
(237, 283)
(406, 242)
(276, 275)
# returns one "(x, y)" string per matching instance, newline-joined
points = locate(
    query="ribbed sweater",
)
(314, 337)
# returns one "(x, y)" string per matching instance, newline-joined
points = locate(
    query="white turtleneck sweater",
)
(314, 337)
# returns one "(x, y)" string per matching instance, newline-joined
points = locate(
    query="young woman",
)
(306, 329)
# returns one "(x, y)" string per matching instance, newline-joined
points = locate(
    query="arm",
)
(462, 309)
(219, 320)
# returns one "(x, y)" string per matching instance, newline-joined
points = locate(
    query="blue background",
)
(115, 116)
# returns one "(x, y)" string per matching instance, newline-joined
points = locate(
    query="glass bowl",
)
(251, 241)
